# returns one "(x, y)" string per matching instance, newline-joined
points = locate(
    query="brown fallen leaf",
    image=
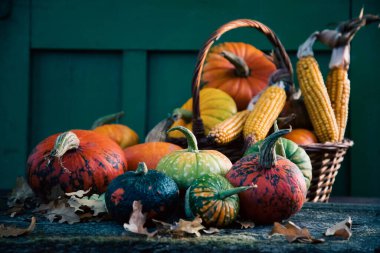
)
(137, 221)
(181, 228)
(341, 229)
(211, 230)
(7, 231)
(293, 233)
(62, 213)
(246, 224)
(78, 194)
(190, 227)
(20, 193)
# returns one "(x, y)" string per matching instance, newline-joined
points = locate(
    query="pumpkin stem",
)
(241, 67)
(107, 119)
(227, 193)
(63, 143)
(267, 151)
(191, 140)
(142, 169)
(180, 113)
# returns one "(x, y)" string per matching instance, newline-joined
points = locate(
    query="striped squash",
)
(214, 199)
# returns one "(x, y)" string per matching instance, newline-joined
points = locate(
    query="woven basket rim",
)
(329, 146)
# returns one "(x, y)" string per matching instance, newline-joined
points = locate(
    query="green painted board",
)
(69, 90)
(365, 105)
(14, 92)
(171, 24)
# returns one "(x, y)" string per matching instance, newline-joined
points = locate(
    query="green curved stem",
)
(142, 169)
(192, 144)
(180, 113)
(241, 67)
(107, 119)
(267, 151)
(227, 193)
(65, 142)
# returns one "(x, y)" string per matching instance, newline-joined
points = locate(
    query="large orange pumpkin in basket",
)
(239, 69)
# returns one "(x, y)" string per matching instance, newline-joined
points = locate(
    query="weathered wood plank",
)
(110, 236)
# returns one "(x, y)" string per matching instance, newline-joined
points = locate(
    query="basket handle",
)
(282, 61)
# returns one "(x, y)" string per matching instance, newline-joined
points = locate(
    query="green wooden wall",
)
(64, 63)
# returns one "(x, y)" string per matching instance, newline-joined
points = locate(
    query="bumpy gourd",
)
(186, 165)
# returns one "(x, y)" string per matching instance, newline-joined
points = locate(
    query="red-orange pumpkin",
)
(302, 136)
(74, 160)
(150, 153)
(239, 69)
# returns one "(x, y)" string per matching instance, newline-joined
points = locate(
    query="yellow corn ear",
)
(229, 129)
(338, 88)
(316, 99)
(264, 113)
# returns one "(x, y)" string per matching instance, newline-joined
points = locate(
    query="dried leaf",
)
(78, 194)
(190, 227)
(341, 229)
(20, 192)
(95, 203)
(293, 233)
(6, 231)
(246, 224)
(62, 213)
(137, 221)
(211, 230)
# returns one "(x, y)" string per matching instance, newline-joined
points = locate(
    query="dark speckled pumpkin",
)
(74, 160)
(281, 187)
(157, 192)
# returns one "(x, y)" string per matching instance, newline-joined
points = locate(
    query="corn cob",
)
(265, 112)
(229, 129)
(316, 99)
(338, 88)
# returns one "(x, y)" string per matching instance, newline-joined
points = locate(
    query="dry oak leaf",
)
(137, 221)
(95, 202)
(293, 233)
(341, 229)
(78, 194)
(20, 193)
(6, 231)
(190, 227)
(246, 224)
(211, 230)
(62, 212)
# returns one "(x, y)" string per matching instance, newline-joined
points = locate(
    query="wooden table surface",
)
(109, 236)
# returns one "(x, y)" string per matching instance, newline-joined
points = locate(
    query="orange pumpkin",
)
(239, 69)
(121, 134)
(301, 136)
(150, 153)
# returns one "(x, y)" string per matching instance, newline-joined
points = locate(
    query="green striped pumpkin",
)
(214, 199)
(186, 165)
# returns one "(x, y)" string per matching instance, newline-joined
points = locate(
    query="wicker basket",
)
(325, 158)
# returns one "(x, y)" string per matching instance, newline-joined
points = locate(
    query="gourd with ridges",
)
(215, 106)
(290, 150)
(281, 189)
(214, 199)
(239, 69)
(184, 166)
(121, 134)
(157, 192)
(74, 160)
